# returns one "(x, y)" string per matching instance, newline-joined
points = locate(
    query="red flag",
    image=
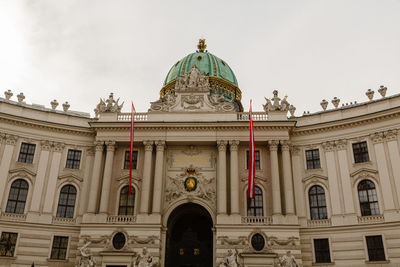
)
(131, 148)
(252, 162)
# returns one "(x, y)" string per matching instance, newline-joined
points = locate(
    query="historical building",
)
(327, 183)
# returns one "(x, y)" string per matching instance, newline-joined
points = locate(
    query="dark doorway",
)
(189, 237)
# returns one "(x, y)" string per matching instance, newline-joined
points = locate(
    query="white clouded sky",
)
(81, 50)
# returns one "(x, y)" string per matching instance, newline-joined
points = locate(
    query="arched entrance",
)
(189, 241)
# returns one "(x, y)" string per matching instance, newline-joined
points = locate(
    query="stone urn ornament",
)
(324, 104)
(8, 94)
(54, 104)
(20, 97)
(335, 101)
(382, 90)
(370, 94)
(66, 106)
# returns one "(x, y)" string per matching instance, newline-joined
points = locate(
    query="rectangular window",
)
(257, 159)
(26, 153)
(59, 248)
(321, 250)
(134, 160)
(376, 252)
(312, 158)
(73, 159)
(8, 242)
(360, 151)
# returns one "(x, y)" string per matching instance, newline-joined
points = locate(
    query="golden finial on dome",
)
(202, 45)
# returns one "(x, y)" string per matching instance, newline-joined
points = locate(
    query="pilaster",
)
(105, 191)
(145, 192)
(221, 177)
(276, 190)
(158, 175)
(95, 181)
(287, 178)
(10, 141)
(235, 196)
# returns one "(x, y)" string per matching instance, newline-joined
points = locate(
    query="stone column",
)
(106, 187)
(95, 182)
(10, 141)
(384, 177)
(158, 175)
(287, 178)
(297, 182)
(347, 190)
(84, 195)
(235, 196)
(52, 179)
(332, 177)
(221, 177)
(393, 148)
(40, 176)
(276, 189)
(145, 192)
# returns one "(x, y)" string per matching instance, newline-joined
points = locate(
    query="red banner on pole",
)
(252, 162)
(131, 148)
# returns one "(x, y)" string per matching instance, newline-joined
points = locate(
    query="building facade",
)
(327, 183)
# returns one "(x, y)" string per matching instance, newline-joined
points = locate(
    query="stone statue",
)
(145, 259)
(288, 260)
(276, 104)
(86, 260)
(108, 105)
(194, 76)
(231, 260)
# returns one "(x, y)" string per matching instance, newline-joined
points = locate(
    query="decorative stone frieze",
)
(225, 240)
(191, 150)
(143, 240)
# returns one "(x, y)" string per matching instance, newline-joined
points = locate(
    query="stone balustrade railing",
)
(257, 220)
(121, 219)
(319, 223)
(371, 219)
(13, 217)
(127, 117)
(257, 116)
(61, 220)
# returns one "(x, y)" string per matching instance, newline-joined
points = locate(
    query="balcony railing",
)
(13, 217)
(371, 219)
(319, 223)
(127, 117)
(257, 116)
(61, 220)
(257, 220)
(121, 219)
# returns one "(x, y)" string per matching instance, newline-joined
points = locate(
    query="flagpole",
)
(251, 163)
(131, 147)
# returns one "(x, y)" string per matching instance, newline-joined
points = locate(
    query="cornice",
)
(347, 123)
(49, 126)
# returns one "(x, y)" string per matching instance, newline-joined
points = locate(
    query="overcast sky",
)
(81, 50)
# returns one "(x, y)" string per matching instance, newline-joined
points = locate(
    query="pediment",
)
(315, 177)
(135, 176)
(23, 172)
(364, 171)
(70, 177)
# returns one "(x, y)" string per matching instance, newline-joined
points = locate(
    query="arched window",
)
(255, 205)
(126, 201)
(66, 202)
(316, 196)
(17, 197)
(368, 199)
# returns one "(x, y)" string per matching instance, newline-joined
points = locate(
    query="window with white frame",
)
(66, 202)
(312, 159)
(17, 197)
(368, 198)
(317, 202)
(26, 153)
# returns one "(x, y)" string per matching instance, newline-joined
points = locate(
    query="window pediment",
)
(70, 177)
(22, 172)
(314, 177)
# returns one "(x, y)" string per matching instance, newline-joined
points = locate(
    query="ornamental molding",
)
(191, 150)
(314, 178)
(143, 240)
(233, 242)
(21, 172)
(363, 173)
(70, 177)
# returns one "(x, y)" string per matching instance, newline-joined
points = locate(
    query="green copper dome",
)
(208, 64)
(221, 78)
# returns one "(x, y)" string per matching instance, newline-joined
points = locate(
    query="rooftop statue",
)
(108, 105)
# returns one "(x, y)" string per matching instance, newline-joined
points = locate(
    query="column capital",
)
(285, 144)
(45, 145)
(234, 144)
(11, 139)
(148, 145)
(391, 135)
(160, 145)
(221, 145)
(58, 147)
(328, 146)
(90, 151)
(341, 144)
(110, 145)
(295, 150)
(98, 145)
(377, 137)
(273, 145)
